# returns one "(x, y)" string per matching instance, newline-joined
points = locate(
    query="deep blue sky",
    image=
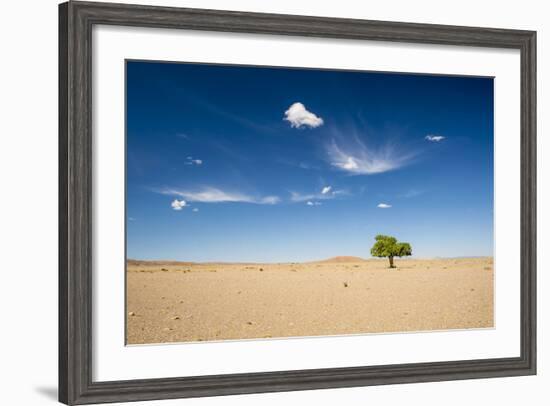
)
(220, 168)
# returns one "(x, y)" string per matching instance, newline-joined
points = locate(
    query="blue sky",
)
(233, 163)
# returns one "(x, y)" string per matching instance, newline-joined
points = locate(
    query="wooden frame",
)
(76, 20)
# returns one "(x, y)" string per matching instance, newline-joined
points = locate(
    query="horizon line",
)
(307, 261)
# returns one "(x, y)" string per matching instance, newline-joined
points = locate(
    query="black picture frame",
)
(76, 20)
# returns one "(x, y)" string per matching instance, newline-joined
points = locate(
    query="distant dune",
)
(340, 260)
(138, 262)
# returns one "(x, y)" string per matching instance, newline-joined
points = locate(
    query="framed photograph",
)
(257, 203)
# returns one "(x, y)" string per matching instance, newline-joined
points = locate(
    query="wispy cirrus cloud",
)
(384, 206)
(434, 138)
(299, 197)
(313, 203)
(307, 166)
(209, 194)
(355, 157)
(268, 200)
(411, 193)
(326, 193)
(298, 116)
(221, 111)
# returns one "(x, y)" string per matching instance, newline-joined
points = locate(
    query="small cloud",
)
(383, 206)
(191, 161)
(298, 116)
(326, 190)
(310, 203)
(178, 204)
(195, 209)
(131, 219)
(434, 138)
(182, 135)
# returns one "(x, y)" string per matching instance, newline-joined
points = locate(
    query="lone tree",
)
(387, 246)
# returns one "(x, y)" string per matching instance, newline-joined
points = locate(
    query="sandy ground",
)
(177, 302)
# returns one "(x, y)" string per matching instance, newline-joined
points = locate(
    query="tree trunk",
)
(391, 262)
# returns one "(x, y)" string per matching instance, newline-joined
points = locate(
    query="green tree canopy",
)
(388, 246)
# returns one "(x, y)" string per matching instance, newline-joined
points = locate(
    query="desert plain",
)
(171, 301)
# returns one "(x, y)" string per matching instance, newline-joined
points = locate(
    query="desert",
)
(171, 301)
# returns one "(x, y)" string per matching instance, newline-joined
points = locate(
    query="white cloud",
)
(325, 194)
(383, 206)
(178, 204)
(215, 195)
(268, 200)
(298, 116)
(350, 164)
(310, 203)
(195, 209)
(192, 161)
(298, 197)
(339, 192)
(434, 138)
(357, 159)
